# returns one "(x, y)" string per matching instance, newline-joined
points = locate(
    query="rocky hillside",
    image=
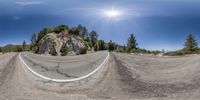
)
(54, 43)
(62, 40)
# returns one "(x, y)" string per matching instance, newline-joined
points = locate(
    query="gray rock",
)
(52, 43)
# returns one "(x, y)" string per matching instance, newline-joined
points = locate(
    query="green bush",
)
(102, 45)
(43, 32)
(18, 49)
(134, 51)
(34, 48)
(60, 28)
(96, 46)
(83, 50)
(74, 32)
(111, 46)
(64, 51)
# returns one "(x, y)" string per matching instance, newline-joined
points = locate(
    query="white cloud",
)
(26, 3)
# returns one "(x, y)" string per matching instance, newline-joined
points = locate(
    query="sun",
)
(112, 13)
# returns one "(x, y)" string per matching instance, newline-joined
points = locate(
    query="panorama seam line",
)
(64, 80)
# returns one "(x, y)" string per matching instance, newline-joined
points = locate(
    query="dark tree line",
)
(129, 47)
(190, 46)
(11, 48)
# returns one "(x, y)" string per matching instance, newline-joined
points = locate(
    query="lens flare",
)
(112, 13)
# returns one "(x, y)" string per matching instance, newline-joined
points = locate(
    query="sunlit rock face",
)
(52, 43)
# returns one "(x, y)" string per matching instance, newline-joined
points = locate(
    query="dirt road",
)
(123, 77)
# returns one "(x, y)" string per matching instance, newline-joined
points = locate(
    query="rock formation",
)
(52, 43)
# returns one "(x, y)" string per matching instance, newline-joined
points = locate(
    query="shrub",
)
(96, 46)
(111, 46)
(102, 45)
(74, 32)
(83, 50)
(64, 51)
(18, 48)
(60, 28)
(42, 33)
(134, 51)
(34, 48)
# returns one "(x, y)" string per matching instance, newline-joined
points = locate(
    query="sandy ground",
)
(123, 77)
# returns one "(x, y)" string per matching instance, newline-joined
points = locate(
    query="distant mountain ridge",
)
(8, 45)
(11, 48)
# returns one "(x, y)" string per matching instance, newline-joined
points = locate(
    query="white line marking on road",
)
(62, 80)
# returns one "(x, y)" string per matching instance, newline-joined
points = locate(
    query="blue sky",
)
(157, 24)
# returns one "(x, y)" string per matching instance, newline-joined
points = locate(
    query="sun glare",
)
(112, 13)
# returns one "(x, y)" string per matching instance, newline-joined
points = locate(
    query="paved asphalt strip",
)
(64, 80)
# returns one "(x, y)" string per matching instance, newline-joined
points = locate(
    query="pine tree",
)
(93, 37)
(18, 48)
(24, 46)
(96, 46)
(33, 39)
(191, 44)
(58, 29)
(34, 45)
(42, 33)
(101, 45)
(124, 47)
(83, 31)
(132, 43)
(111, 46)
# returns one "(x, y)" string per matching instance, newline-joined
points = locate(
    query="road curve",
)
(89, 65)
(122, 77)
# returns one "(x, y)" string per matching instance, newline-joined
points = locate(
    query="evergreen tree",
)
(1, 50)
(33, 39)
(35, 48)
(34, 45)
(85, 33)
(132, 43)
(43, 33)
(18, 48)
(60, 28)
(102, 45)
(96, 46)
(124, 47)
(111, 46)
(24, 46)
(74, 31)
(93, 37)
(191, 44)
(82, 30)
